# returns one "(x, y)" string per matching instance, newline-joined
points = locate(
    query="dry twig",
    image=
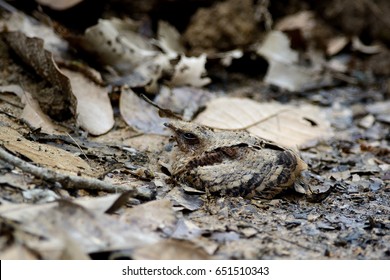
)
(70, 181)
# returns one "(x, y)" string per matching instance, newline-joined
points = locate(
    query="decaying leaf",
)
(43, 154)
(289, 125)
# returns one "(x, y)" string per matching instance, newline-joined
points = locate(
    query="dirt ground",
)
(46, 216)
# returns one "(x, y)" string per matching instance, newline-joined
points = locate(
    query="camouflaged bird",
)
(231, 162)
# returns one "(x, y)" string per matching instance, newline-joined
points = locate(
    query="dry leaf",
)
(289, 125)
(19, 22)
(115, 43)
(94, 110)
(284, 70)
(32, 52)
(65, 222)
(190, 71)
(140, 115)
(32, 112)
(43, 154)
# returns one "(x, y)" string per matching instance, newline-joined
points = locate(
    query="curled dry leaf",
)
(59, 4)
(288, 125)
(32, 112)
(94, 110)
(139, 114)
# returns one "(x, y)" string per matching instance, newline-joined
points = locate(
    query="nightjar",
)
(231, 162)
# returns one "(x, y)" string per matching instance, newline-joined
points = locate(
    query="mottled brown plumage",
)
(233, 162)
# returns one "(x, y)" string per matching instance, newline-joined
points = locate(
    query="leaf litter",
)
(71, 137)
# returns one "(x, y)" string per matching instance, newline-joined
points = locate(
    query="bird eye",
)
(191, 138)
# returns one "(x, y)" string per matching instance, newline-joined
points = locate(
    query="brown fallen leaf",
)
(291, 126)
(61, 105)
(43, 154)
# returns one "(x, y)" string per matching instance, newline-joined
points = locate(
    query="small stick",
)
(67, 181)
(162, 112)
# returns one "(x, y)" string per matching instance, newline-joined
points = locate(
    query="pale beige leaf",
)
(43, 154)
(94, 110)
(289, 125)
(189, 72)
